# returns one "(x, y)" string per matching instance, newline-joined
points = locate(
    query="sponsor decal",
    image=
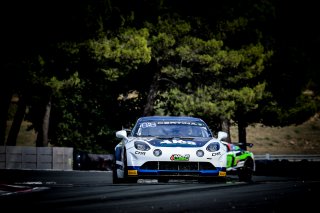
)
(216, 153)
(132, 172)
(221, 173)
(179, 123)
(148, 124)
(178, 142)
(178, 157)
(139, 153)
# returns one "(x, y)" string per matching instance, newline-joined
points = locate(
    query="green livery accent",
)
(234, 157)
(240, 161)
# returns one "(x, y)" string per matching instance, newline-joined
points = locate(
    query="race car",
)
(170, 147)
(240, 161)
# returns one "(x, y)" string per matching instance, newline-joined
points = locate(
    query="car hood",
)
(176, 142)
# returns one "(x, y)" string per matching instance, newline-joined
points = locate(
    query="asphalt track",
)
(93, 191)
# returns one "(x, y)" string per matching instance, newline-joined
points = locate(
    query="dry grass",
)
(301, 139)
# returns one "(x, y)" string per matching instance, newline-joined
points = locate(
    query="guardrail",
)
(289, 157)
(64, 158)
(22, 157)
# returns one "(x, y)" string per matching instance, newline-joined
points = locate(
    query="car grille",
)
(177, 166)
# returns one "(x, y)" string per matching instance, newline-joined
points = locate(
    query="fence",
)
(292, 157)
(42, 158)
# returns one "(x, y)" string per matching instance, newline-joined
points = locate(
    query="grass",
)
(294, 139)
(300, 139)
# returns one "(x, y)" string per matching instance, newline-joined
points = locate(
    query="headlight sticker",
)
(214, 146)
(139, 153)
(216, 153)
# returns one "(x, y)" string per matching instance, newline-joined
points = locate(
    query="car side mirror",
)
(250, 145)
(121, 134)
(222, 135)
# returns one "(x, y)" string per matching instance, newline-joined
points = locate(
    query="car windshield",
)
(171, 129)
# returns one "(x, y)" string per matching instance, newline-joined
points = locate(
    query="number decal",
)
(148, 124)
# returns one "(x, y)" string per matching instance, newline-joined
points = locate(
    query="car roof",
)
(169, 118)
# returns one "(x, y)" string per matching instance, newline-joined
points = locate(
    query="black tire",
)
(125, 169)
(246, 172)
(115, 179)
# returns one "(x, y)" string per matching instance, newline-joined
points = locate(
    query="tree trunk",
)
(42, 137)
(16, 124)
(5, 100)
(225, 126)
(242, 134)
(154, 87)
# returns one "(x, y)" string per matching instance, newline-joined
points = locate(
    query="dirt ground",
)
(300, 139)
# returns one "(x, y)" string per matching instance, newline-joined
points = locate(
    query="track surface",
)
(93, 191)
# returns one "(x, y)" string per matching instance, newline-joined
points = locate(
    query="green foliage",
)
(208, 79)
(89, 118)
(118, 55)
(75, 126)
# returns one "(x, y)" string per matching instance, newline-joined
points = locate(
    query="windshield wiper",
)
(172, 137)
(165, 137)
(187, 138)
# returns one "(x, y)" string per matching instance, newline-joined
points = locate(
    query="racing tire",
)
(115, 179)
(125, 169)
(246, 172)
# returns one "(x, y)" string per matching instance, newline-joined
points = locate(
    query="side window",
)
(146, 129)
(204, 132)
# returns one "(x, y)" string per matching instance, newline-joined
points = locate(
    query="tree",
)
(18, 118)
(182, 61)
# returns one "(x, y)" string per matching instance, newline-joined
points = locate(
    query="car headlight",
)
(142, 146)
(213, 147)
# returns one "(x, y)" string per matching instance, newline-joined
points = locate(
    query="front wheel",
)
(246, 172)
(125, 169)
(115, 179)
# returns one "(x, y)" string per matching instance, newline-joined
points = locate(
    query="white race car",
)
(169, 147)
